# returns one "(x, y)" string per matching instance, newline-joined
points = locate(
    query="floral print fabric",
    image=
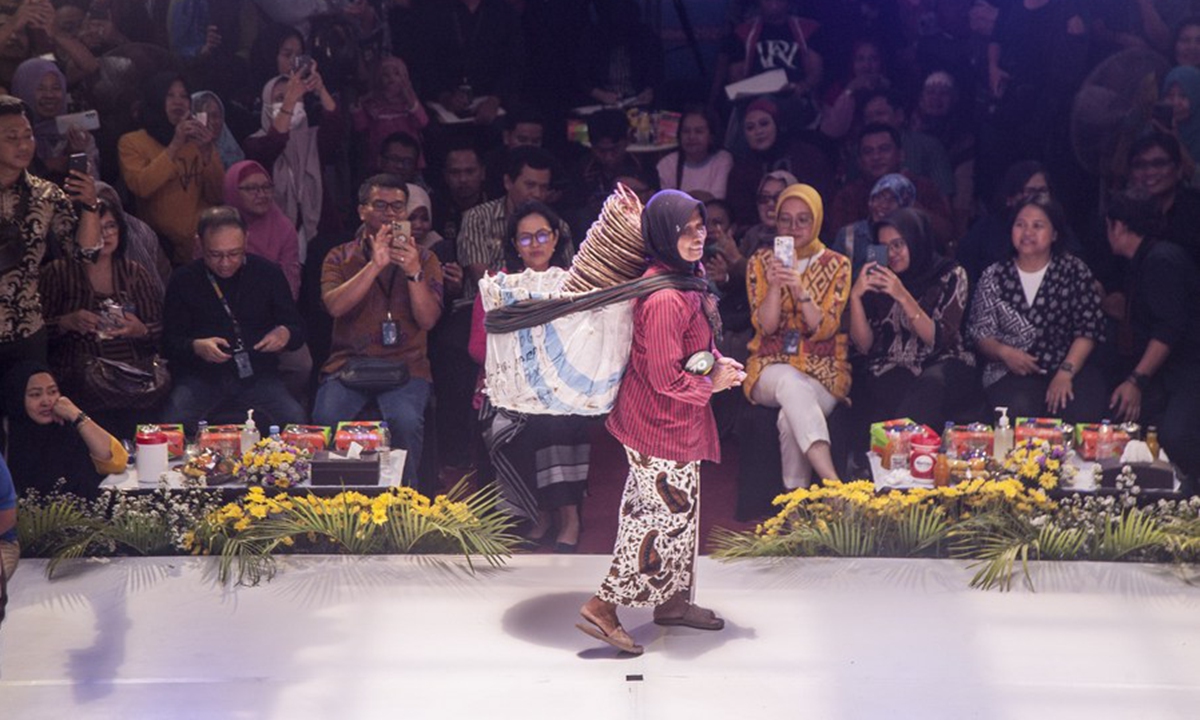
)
(656, 538)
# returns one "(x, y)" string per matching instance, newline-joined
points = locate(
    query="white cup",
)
(151, 461)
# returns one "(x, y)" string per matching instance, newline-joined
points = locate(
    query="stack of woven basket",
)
(613, 252)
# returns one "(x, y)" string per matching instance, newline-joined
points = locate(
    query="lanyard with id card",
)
(389, 331)
(241, 355)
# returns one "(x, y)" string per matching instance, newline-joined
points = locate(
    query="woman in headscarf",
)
(43, 87)
(771, 148)
(249, 189)
(798, 354)
(293, 149)
(207, 102)
(171, 165)
(49, 437)
(906, 319)
(663, 418)
(1181, 90)
(890, 193)
(392, 106)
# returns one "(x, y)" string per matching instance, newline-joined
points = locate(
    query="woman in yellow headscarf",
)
(798, 354)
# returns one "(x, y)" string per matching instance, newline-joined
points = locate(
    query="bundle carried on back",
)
(558, 341)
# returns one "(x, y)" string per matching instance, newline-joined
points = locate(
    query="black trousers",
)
(1026, 396)
(944, 391)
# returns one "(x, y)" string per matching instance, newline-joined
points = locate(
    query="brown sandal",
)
(618, 638)
(693, 616)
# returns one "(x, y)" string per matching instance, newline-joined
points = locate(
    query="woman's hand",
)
(882, 279)
(862, 285)
(82, 187)
(728, 373)
(83, 322)
(1060, 392)
(452, 278)
(1019, 362)
(64, 410)
(78, 139)
(717, 269)
(131, 327)
(1127, 401)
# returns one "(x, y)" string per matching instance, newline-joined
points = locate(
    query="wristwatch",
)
(1067, 367)
(416, 278)
(80, 419)
(1141, 380)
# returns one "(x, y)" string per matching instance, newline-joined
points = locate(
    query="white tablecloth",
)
(129, 480)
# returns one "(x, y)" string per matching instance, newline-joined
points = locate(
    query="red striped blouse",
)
(660, 409)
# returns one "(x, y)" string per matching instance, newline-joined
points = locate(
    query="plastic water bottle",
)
(386, 475)
(1104, 440)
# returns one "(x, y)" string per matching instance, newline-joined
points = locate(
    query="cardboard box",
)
(361, 472)
(313, 438)
(365, 433)
(1086, 435)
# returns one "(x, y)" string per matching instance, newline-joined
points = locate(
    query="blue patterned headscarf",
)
(898, 185)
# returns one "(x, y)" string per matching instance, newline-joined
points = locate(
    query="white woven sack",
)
(571, 366)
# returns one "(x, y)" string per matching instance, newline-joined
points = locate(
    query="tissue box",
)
(1157, 475)
(1086, 435)
(1049, 429)
(365, 433)
(312, 438)
(967, 440)
(175, 439)
(360, 472)
(225, 439)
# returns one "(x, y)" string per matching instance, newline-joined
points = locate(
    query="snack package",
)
(1049, 429)
(313, 438)
(225, 439)
(971, 440)
(365, 433)
(1086, 435)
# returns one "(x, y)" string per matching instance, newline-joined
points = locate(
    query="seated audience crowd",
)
(292, 204)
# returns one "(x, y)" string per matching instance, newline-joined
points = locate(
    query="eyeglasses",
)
(896, 246)
(542, 237)
(219, 256)
(767, 199)
(109, 228)
(1155, 164)
(256, 189)
(397, 207)
(787, 221)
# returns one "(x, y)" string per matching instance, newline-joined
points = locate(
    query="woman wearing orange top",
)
(798, 355)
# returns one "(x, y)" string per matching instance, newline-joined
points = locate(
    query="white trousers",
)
(805, 403)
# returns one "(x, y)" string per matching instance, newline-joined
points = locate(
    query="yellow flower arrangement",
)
(274, 462)
(1038, 463)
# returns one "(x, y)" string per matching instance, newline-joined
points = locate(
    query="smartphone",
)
(201, 117)
(302, 64)
(1164, 114)
(785, 250)
(86, 120)
(78, 161)
(401, 232)
(877, 254)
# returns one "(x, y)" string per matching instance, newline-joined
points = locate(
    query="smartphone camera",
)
(303, 64)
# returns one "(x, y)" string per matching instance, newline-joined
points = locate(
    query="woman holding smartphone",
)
(906, 320)
(798, 354)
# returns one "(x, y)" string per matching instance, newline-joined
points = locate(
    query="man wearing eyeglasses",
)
(385, 294)
(226, 318)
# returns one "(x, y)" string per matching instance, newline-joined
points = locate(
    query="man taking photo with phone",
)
(385, 294)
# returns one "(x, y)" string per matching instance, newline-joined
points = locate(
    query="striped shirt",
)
(482, 236)
(661, 410)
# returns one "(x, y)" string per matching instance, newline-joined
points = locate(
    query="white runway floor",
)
(412, 638)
